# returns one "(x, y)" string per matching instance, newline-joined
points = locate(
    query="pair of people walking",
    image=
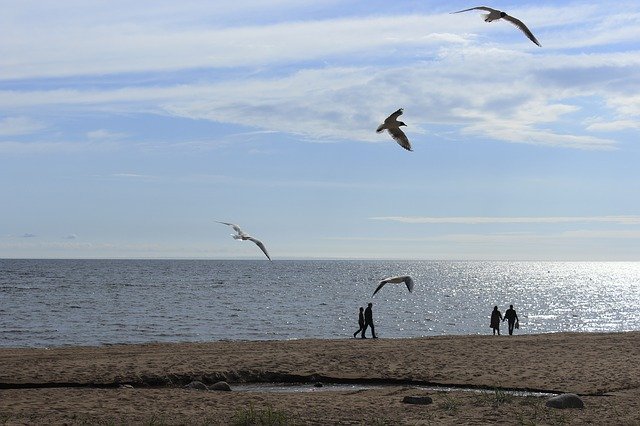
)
(365, 319)
(510, 315)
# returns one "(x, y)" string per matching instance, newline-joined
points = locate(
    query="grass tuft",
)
(449, 404)
(264, 417)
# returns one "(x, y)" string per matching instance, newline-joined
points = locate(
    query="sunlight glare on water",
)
(90, 302)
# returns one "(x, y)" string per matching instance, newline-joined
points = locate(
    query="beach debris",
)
(419, 400)
(220, 386)
(243, 236)
(494, 15)
(196, 385)
(318, 385)
(396, 280)
(125, 387)
(565, 400)
(392, 125)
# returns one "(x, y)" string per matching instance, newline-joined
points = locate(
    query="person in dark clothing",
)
(368, 321)
(496, 316)
(511, 316)
(360, 322)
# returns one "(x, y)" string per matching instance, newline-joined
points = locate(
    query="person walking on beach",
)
(360, 322)
(496, 317)
(511, 317)
(368, 321)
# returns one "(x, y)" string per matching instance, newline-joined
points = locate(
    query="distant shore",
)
(84, 384)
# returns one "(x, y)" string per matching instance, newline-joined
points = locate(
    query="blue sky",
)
(128, 128)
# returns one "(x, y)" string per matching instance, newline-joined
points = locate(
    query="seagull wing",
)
(488, 9)
(235, 227)
(259, 244)
(382, 283)
(399, 136)
(394, 116)
(518, 23)
(409, 282)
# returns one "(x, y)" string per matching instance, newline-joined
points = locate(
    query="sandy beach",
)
(84, 385)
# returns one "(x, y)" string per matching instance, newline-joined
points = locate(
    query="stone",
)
(420, 400)
(318, 384)
(565, 400)
(197, 385)
(125, 387)
(220, 386)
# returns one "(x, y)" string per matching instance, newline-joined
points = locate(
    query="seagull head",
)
(503, 14)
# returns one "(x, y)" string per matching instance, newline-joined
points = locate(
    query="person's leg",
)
(363, 330)
(373, 331)
(511, 324)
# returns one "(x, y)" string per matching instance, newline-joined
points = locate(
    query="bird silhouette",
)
(396, 280)
(392, 125)
(241, 235)
(495, 14)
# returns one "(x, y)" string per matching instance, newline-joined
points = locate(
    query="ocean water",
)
(46, 303)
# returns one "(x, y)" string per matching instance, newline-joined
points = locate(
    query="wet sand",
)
(82, 385)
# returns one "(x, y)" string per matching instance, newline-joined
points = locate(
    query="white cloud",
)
(14, 126)
(165, 37)
(103, 134)
(128, 47)
(335, 103)
(613, 126)
(43, 147)
(513, 93)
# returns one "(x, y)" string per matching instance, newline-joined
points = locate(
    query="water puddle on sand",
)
(354, 387)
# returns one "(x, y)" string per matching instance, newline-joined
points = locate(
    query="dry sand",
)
(79, 385)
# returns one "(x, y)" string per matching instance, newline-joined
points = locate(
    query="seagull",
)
(392, 125)
(396, 280)
(494, 15)
(241, 235)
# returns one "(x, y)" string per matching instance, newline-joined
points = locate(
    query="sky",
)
(127, 129)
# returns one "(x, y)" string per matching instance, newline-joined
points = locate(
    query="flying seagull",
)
(392, 125)
(494, 15)
(396, 280)
(241, 235)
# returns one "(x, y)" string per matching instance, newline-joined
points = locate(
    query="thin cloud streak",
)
(479, 220)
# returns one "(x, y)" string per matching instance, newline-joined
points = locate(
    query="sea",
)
(47, 303)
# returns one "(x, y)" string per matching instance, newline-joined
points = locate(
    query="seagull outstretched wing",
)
(396, 280)
(235, 227)
(259, 244)
(399, 136)
(485, 8)
(518, 23)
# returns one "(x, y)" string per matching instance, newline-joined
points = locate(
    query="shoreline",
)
(604, 368)
(309, 339)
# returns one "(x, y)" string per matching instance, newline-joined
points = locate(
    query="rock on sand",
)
(420, 400)
(565, 400)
